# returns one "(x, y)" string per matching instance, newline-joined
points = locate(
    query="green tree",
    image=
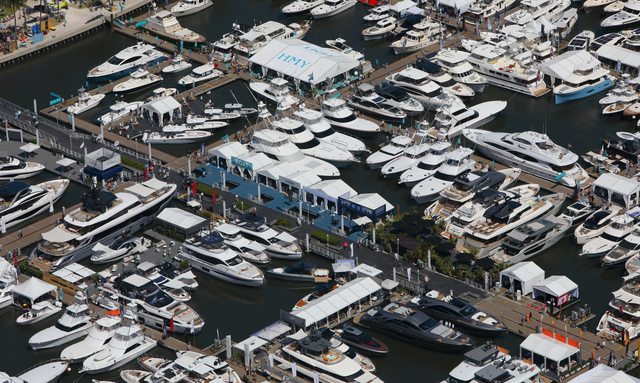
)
(14, 6)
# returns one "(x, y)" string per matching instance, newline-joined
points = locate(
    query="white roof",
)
(136, 280)
(140, 190)
(548, 347)
(253, 342)
(332, 189)
(402, 6)
(390, 284)
(556, 285)
(319, 309)
(58, 235)
(180, 218)
(258, 160)
(367, 270)
(228, 150)
(617, 183)
(66, 162)
(29, 148)
(563, 67)
(343, 266)
(163, 105)
(80, 270)
(371, 201)
(303, 61)
(73, 273)
(615, 53)
(524, 271)
(277, 170)
(604, 374)
(461, 5)
(273, 331)
(33, 288)
(155, 184)
(302, 179)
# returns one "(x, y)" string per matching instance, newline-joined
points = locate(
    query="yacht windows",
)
(324, 133)
(601, 192)
(296, 130)
(130, 60)
(309, 144)
(64, 328)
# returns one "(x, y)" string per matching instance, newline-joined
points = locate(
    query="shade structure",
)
(181, 219)
(521, 276)
(65, 162)
(163, 110)
(29, 148)
(604, 374)
(273, 331)
(548, 347)
(33, 288)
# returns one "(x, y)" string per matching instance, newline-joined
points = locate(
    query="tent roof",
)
(74, 272)
(277, 170)
(563, 67)
(302, 179)
(180, 218)
(402, 6)
(604, 374)
(228, 150)
(332, 189)
(163, 105)
(556, 285)
(371, 201)
(461, 5)
(524, 271)
(253, 342)
(548, 347)
(29, 148)
(367, 270)
(617, 183)
(33, 288)
(58, 235)
(258, 160)
(303, 61)
(273, 331)
(615, 53)
(66, 162)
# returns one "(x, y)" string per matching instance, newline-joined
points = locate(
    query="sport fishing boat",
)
(594, 225)
(533, 152)
(39, 312)
(20, 201)
(457, 162)
(394, 149)
(618, 229)
(380, 29)
(193, 122)
(179, 136)
(219, 114)
(96, 339)
(126, 61)
(121, 248)
(206, 251)
(178, 64)
(455, 63)
(475, 360)
(577, 212)
(315, 122)
(459, 312)
(419, 86)
(165, 25)
(428, 164)
(332, 8)
(276, 91)
(630, 14)
(623, 251)
(139, 79)
(103, 217)
(409, 324)
(189, 7)
(74, 323)
(278, 245)
(299, 7)
(46, 372)
(336, 111)
(622, 318)
(367, 100)
(118, 111)
(300, 272)
(358, 339)
(85, 102)
(249, 250)
(199, 74)
(411, 156)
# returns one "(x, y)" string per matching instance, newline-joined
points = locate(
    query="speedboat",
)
(278, 245)
(401, 99)
(74, 323)
(340, 45)
(189, 7)
(455, 63)
(300, 272)
(276, 91)
(332, 8)
(362, 341)
(199, 74)
(239, 108)
(614, 7)
(457, 162)
(8, 279)
(96, 339)
(591, 5)
(161, 92)
(577, 212)
(342, 117)
(119, 110)
(451, 120)
(410, 324)
(85, 102)
(207, 122)
(121, 248)
(126, 61)
(165, 24)
(206, 251)
(459, 312)
(594, 225)
(477, 359)
(367, 100)
(39, 312)
(249, 250)
(428, 164)
(419, 86)
(221, 114)
(376, 14)
(139, 79)
(314, 121)
(630, 14)
(623, 251)
(298, 7)
(380, 29)
(437, 74)
(13, 168)
(422, 35)
(411, 156)
(632, 266)
(20, 201)
(617, 230)
(305, 140)
(178, 63)
(178, 137)
(394, 149)
(533, 152)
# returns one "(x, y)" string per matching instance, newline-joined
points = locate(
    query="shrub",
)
(207, 190)
(284, 222)
(130, 162)
(322, 237)
(27, 269)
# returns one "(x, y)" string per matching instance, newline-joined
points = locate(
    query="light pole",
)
(398, 246)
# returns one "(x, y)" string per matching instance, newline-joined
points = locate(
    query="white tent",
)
(326, 193)
(557, 287)
(32, 289)
(604, 374)
(461, 6)
(521, 276)
(366, 270)
(543, 349)
(180, 218)
(224, 152)
(270, 175)
(402, 7)
(617, 189)
(371, 201)
(298, 181)
(163, 109)
(612, 54)
(247, 164)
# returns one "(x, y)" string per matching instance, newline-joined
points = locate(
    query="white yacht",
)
(422, 35)
(623, 313)
(342, 117)
(189, 7)
(13, 168)
(179, 136)
(119, 110)
(455, 63)
(46, 372)
(622, 93)
(39, 311)
(533, 152)
(298, 7)
(119, 249)
(103, 217)
(206, 122)
(277, 145)
(623, 251)
(618, 229)
(178, 64)
(577, 212)
(457, 162)
(173, 287)
(128, 343)
(126, 61)
(482, 10)
(587, 77)
(428, 164)
(20, 201)
(209, 367)
(249, 250)
(8, 279)
(280, 245)
(276, 91)
(260, 35)
(380, 29)
(591, 5)
(582, 40)
(74, 323)
(394, 149)
(340, 45)
(630, 14)
(317, 124)
(419, 86)
(376, 14)
(438, 75)
(207, 252)
(594, 225)
(85, 102)
(411, 156)
(224, 47)
(531, 10)
(332, 8)
(398, 97)
(451, 120)
(475, 360)
(199, 74)
(302, 137)
(367, 100)
(96, 339)
(165, 25)
(139, 79)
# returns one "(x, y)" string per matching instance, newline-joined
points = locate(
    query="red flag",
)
(146, 173)
(15, 259)
(171, 325)
(194, 192)
(213, 195)
(620, 308)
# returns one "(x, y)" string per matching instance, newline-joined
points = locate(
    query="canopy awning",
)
(163, 105)
(59, 235)
(367, 270)
(273, 331)
(66, 162)
(253, 342)
(556, 286)
(180, 218)
(549, 348)
(604, 374)
(617, 54)
(29, 148)
(33, 288)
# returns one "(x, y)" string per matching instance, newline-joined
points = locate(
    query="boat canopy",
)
(273, 331)
(59, 235)
(33, 289)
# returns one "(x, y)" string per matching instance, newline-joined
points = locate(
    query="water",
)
(240, 311)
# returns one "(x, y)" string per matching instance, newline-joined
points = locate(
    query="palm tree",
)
(14, 6)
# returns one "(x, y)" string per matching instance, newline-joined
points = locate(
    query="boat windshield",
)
(428, 324)
(626, 244)
(234, 261)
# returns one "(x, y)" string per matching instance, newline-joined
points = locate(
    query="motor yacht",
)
(622, 251)
(482, 10)
(459, 312)
(411, 156)
(437, 74)
(180, 136)
(594, 225)
(618, 229)
(39, 312)
(189, 366)
(419, 86)
(394, 149)
(399, 98)
(632, 266)
(428, 164)
(623, 93)
(336, 111)
(582, 40)
(465, 186)
(358, 339)
(475, 360)
(182, 276)
(223, 48)
(367, 100)
(280, 245)
(340, 45)
(332, 8)
(318, 292)
(451, 120)
(119, 110)
(189, 7)
(457, 162)
(20, 201)
(121, 248)
(376, 14)
(422, 35)
(165, 25)
(410, 324)
(533, 152)
(455, 63)
(300, 272)
(577, 212)
(173, 288)
(74, 323)
(199, 74)
(206, 251)
(103, 217)
(256, 38)
(8, 279)
(531, 10)
(380, 29)
(85, 102)
(126, 61)
(317, 124)
(298, 7)
(140, 79)
(178, 64)
(592, 5)
(622, 317)
(155, 307)
(586, 79)
(630, 14)
(249, 250)
(302, 137)
(276, 91)
(13, 168)
(96, 339)
(277, 145)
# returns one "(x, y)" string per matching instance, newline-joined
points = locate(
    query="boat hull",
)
(212, 271)
(584, 92)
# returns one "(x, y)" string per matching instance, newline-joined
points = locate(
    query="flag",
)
(194, 191)
(15, 259)
(171, 327)
(146, 173)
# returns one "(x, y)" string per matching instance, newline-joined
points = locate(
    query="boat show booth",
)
(521, 277)
(178, 223)
(615, 189)
(32, 291)
(550, 354)
(604, 374)
(163, 110)
(103, 164)
(616, 57)
(557, 291)
(327, 193)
